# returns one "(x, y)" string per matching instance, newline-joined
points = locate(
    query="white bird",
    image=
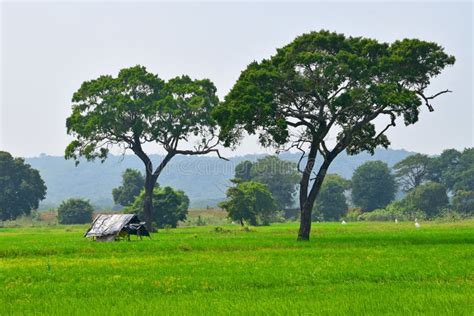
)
(417, 225)
(396, 221)
(343, 222)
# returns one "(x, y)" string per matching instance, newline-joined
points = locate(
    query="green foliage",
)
(373, 186)
(21, 187)
(249, 201)
(398, 210)
(132, 184)
(429, 198)
(280, 176)
(331, 203)
(454, 169)
(464, 180)
(169, 206)
(412, 171)
(75, 211)
(138, 107)
(463, 202)
(325, 80)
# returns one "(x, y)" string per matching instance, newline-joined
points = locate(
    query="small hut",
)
(110, 227)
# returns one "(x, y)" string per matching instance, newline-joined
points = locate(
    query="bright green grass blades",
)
(359, 268)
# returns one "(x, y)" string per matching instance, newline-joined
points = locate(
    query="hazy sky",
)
(49, 49)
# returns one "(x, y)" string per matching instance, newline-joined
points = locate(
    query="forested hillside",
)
(204, 179)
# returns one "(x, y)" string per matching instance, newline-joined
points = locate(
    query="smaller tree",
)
(430, 198)
(75, 211)
(132, 184)
(331, 203)
(373, 186)
(169, 206)
(21, 187)
(412, 171)
(249, 201)
(463, 202)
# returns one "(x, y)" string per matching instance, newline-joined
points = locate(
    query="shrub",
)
(449, 215)
(75, 211)
(396, 210)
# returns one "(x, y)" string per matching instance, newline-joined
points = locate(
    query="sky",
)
(49, 48)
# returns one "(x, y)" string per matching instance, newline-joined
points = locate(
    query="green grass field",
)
(359, 268)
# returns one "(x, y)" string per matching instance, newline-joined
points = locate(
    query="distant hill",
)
(204, 179)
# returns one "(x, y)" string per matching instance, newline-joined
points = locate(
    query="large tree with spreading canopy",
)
(324, 84)
(137, 108)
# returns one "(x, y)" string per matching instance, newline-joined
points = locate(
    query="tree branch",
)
(427, 99)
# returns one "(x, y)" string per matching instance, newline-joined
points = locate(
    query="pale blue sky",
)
(48, 49)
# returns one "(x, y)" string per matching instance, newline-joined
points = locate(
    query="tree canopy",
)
(412, 171)
(21, 187)
(373, 186)
(324, 84)
(137, 107)
(280, 176)
(132, 184)
(249, 201)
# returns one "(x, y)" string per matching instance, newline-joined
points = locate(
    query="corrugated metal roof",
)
(109, 224)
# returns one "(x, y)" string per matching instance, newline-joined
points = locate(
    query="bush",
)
(449, 215)
(251, 202)
(397, 210)
(75, 211)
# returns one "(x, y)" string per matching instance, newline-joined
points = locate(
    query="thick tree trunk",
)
(307, 201)
(305, 223)
(150, 182)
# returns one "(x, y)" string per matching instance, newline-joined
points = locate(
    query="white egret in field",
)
(396, 221)
(417, 225)
(343, 222)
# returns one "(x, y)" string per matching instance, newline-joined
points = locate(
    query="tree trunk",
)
(307, 201)
(150, 182)
(305, 223)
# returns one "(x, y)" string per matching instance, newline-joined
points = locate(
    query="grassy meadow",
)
(358, 268)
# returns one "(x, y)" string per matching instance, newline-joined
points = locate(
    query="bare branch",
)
(427, 99)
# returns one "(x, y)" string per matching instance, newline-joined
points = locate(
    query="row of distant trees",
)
(264, 187)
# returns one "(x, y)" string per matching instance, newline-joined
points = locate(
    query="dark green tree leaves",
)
(75, 211)
(373, 186)
(21, 187)
(249, 202)
(132, 184)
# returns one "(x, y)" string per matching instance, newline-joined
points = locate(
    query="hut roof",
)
(110, 224)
